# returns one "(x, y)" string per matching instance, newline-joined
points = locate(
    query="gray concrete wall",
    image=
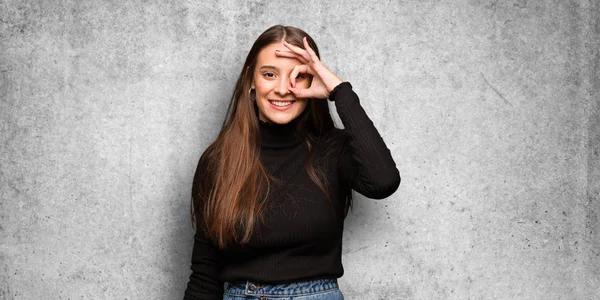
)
(491, 109)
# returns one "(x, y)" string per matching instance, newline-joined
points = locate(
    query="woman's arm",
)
(366, 162)
(204, 281)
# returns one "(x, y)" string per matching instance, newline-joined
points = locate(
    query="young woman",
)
(270, 194)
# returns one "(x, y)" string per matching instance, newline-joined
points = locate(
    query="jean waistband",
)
(309, 287)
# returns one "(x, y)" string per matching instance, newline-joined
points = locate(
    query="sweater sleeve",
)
(366, 162)
(204, 281)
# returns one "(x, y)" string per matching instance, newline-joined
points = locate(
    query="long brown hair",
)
(229, 199)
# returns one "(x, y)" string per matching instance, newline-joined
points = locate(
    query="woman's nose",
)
(282, 87)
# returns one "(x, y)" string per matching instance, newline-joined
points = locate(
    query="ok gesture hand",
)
(323, 80)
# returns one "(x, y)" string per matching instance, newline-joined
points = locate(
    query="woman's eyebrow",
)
(269, 67)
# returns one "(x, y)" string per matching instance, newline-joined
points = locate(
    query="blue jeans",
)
(319, 289)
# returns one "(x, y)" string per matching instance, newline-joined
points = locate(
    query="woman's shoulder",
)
(206, 163)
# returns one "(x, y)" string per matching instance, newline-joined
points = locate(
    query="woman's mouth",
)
(281, 105)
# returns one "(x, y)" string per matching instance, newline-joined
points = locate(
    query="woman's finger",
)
(310, 51)
(290, 54)
(301, 93)
(298, 51)
(299, 69)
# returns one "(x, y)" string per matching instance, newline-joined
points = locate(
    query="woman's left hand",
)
(323, 80)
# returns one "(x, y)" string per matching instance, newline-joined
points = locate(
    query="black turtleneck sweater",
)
(301, 236)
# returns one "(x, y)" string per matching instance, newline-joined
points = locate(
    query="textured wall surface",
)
(491, 110)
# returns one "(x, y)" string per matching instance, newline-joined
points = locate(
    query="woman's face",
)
(276, 104)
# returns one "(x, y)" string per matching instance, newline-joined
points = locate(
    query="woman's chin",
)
(283, 115)
(279, 119)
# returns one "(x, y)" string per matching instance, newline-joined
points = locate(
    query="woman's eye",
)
(269, 75)
(300, 76)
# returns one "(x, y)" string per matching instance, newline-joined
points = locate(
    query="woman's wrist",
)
(332, 84)
(335, 90)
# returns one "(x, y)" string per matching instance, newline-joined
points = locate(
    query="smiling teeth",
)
(278, 103)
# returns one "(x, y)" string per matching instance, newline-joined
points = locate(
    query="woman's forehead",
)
(267, 58)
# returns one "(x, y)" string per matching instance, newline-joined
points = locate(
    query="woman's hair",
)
(228, 200)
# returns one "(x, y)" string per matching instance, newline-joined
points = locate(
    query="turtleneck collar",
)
(279, 136)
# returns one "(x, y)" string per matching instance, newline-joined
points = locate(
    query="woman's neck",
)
(279, 135)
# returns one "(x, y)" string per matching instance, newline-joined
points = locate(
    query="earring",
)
(250, 92)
